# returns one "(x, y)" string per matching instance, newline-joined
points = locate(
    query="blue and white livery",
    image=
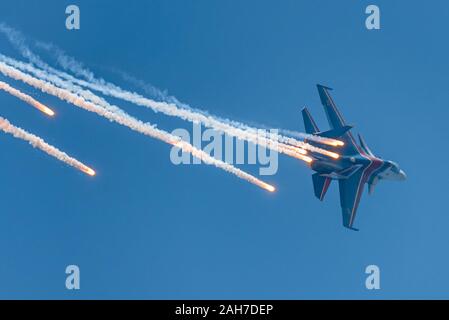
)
(356, 166)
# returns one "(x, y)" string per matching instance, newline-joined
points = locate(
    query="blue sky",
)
(144, 228)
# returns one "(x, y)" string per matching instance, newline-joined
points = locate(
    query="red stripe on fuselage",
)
(327, 182)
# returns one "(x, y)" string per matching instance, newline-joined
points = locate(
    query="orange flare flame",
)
(89, 171)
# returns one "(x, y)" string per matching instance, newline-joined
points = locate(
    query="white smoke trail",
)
(183, 111)
(39, 143)
(255, 136)
(230, 127)
(70, 64)
(24, 97)
(61, 58)
(156, 93)
(171, 108)
(113, 113)
(44, 75)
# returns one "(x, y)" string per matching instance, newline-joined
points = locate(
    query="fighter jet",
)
(356, 166)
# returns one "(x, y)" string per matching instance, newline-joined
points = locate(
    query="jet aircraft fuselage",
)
(356, 166)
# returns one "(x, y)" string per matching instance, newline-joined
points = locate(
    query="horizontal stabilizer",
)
(324, 87)
(320, 185)
(309, 124)
(335, 133)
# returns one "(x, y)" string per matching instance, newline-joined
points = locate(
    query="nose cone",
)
(402, 175)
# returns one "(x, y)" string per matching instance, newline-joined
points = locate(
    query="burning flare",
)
(115, 114)
(88, 170)
(39, 143)
(24, 97)
(241, 131)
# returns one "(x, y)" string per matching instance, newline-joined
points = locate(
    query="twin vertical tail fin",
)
(334, 116)
(309, 123)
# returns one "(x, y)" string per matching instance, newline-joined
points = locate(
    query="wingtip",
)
(303, 109)
(324, 87)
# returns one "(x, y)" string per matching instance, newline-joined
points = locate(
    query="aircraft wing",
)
(336, 121)
(351, 190)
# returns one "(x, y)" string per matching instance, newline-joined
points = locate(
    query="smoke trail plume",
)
(300, 135)
(232, 128)
(113, 113)
(255, 136)
(24, 97)
(70, 64)
(39, 143)
(171, 108)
